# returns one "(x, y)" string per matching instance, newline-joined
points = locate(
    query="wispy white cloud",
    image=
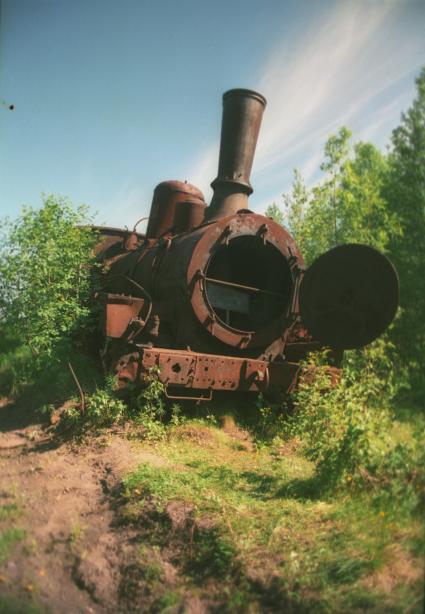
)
(344, 69)
(205, 169)
(308, 90)
(381, 121)
(134, 203)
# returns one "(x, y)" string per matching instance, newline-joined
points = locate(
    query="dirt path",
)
(70, 555)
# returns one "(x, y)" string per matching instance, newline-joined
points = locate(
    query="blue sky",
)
(113, 97)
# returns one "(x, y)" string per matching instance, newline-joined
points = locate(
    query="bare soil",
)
(75, 556)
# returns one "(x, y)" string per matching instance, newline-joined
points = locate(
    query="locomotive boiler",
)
(218, 298)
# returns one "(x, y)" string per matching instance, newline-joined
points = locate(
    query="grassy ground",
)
(210, 517)
(254, 526)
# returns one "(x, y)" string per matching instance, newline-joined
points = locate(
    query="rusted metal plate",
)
(166, 199)
(118, 312)
(188, 215)
(115, 241)
(349, 296)
(209, 371)
(230, 299)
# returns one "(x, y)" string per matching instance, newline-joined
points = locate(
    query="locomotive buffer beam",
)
(183, 370)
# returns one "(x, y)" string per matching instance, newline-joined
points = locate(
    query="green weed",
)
(103, 408)
(8, 539)
(12, 605)
(150, 411)
(147, 410)
(77, 532)
(214, 555)
(9, 511)
(168, 602)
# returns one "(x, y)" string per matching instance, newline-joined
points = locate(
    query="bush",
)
(147, 409)
(103, 408)
(348, 431)
(344, 428)
(46, 260)
(150, 409)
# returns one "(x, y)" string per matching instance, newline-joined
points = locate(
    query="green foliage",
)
(342, 426)
(12, 605)
(275, 213)
(147, 410)
(10, 510)
(405, 194)
(8, 539)
(270, 423)
(103, 408)
(16, 366)
(401, 476)
(366, 197)
(346, 428)
(348, 205)
(151, 400)
(214, 555)
(242, 511)
(169, 602)
(337, 426)
(46, 257)
(150, 409)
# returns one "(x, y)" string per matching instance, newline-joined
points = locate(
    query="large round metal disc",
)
(349, 296)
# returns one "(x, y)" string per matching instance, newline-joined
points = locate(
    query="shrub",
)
(344, 428)
(46, 260)
(150, 408)
(103, 408)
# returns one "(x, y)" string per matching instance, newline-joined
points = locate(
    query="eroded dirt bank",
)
(65, 551)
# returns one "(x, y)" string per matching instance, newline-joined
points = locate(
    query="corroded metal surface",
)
(349, 296)
(166, 201)
(187, 370)
(242, 115)
(119, 311)
(115, 241)
(273, 244)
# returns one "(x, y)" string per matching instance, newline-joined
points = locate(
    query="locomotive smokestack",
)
(242, 114)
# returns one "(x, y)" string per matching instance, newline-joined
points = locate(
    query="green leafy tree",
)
(347, 205)
(275, 213)
(406, 198)
(46, 257)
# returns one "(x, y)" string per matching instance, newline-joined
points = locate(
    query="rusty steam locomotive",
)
(218, 298)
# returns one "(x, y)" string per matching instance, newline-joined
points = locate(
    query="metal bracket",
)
(174, 397)
(262, 232)
(225, 235)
